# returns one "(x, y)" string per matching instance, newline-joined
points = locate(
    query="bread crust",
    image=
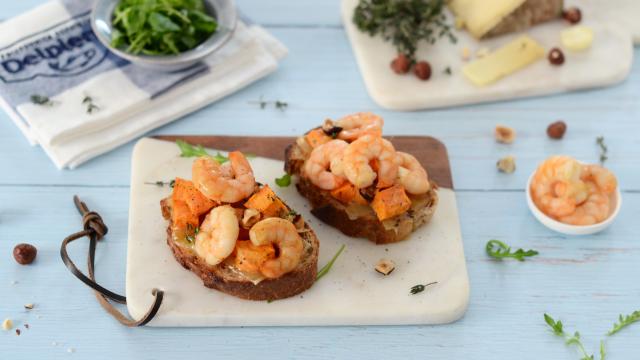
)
(366, 225)
(221, 278)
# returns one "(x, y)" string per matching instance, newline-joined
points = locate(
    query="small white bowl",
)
(563, 228)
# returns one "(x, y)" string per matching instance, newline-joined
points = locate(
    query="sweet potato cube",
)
(276, 209)
(317, 137)
(390, 202)
(261, 200)
(185, 191)
(347, 193)
(181, 215)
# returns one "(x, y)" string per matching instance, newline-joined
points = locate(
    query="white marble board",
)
(352, 293)
(606, 63)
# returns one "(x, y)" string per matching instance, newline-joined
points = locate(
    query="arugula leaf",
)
(284, 181)
(499, 250)
(624, 321)
(325, 269)
(188, 150)
(574, 339)
(161, 27)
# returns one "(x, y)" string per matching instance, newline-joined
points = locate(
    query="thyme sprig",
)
(280, 105)
(404, 23)
(325, 269)
(557, 328)
(416, 289)
(603, 149)
(625, 321)
(90, 104)
(499, 250)
(159, 183)
(41, 100)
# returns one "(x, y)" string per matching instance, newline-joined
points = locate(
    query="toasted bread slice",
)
(358, 220)
(226, 278)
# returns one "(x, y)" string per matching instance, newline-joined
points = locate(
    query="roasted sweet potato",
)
(347, 193)
(262, 199)
(181, 215)
(249, 257)
(316, 137)
(390, 202)
(185, 191)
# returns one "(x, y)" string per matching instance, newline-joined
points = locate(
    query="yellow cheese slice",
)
(505, 61)
(480, 16)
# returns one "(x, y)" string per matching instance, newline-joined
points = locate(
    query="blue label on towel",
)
(66, 49)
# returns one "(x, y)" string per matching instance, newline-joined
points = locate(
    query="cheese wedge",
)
(487, 18)
(510, 58)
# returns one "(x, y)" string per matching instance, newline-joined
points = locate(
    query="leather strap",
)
(95, 230)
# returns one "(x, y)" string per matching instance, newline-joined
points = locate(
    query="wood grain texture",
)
(584, 281)
(431, 152)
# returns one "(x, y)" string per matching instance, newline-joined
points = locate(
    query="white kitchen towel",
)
(63, 61)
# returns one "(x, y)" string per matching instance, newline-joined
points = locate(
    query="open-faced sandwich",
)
(357, 182)
(237, 235)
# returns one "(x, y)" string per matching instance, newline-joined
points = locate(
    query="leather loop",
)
(94, 230)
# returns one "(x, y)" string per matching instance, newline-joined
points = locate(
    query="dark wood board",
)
(431, 152)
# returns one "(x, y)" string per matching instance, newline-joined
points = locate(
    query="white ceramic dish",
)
(351, 294)
(573, 229)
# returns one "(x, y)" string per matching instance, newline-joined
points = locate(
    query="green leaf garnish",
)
(624, 321)
(325, 269)
(499, 250)
(556, 327)
(284, 181)
(161, 27)
(188, 150)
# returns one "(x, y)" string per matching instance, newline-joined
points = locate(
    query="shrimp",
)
(321, 159)
(359, 124)
(283, 235)
(412, 175)
(217, 235)
(604, 179)
(556, 187)
(229, 182)
(359, 155)
(595, 209)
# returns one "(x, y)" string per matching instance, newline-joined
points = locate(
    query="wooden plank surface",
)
(431, 152)
(584, 281)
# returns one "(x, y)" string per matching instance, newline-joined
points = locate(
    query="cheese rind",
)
(505, 61)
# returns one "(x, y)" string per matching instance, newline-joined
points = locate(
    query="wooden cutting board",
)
(429, 151)
(352, 293)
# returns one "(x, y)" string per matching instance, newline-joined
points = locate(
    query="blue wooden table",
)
(585, 281)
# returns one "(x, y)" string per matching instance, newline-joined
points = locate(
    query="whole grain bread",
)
(225, 278)
(358, 220)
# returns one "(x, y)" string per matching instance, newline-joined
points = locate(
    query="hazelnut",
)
(7, 325)
(401, 64)
(422, 70)
(28, 306)
(25, 253)
(573, 15)
(385, 267)
(556, 57)
(504, 134)
(507, 164)
(557, 129)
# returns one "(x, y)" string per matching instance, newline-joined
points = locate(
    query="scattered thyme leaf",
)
(499, 250)
(41, 100)
(284, 181)
(448, 71)
(404, 23)
(416, 289)
(278, 104)
(160, 183)
(89, 103)
(603, 149)
(557, 328)
(325, 269)
(624, 321)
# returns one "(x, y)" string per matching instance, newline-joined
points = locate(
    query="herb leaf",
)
(165, 27)
(603, 149)
(624, 321)
(325, 269)
(404, 22)
(284, 181)
(574, 339)
(499, 250)
(41, 100)
(416, 289)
